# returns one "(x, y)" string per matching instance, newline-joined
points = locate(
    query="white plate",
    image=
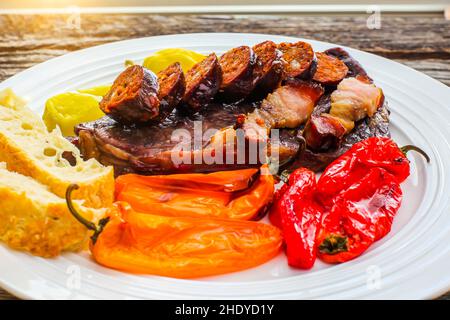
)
(413, 261)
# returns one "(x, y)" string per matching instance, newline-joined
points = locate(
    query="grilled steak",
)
(149, 149)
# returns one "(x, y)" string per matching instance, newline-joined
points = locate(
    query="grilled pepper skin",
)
(240, 194)
(298, 213)
(182, 247)
(376, 152)
(359, 216)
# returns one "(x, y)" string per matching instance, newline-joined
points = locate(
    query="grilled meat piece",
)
(150, 148)
(323, 132)
(133, 97)
(287, 107)
(171, 89)
(272, 68)
(328, 70)
(297, 58)
(351, 102)
(240, 68)
(354, 100)
(203, 81)
(376, 126)
(354, 67)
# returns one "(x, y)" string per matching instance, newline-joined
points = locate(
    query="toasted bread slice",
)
(28, 148)
(34, 219)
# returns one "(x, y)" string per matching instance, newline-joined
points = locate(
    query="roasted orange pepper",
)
(228, 181)
(199, 195)
(180, 247)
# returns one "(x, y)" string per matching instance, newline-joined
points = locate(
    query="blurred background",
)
(407, 5)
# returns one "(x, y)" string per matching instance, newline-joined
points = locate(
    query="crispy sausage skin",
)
(172, 86)
(133, 97)
(203, 81)
(329, 70)
(239, 67)
(354, 67)
(297, 58)
(272, 68)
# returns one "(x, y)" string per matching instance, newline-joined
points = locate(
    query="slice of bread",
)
(35, 220)
(28, 148)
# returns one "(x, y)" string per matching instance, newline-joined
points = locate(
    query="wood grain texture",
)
(419, 41)
(422, 42)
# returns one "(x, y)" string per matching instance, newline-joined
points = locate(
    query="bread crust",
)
(44, 230)
(97, 193)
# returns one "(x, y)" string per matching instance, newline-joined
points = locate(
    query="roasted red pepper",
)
(359, 216)
(377, 152)
(297, 213)
(356, 199)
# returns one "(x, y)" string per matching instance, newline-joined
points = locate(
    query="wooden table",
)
(419, 41)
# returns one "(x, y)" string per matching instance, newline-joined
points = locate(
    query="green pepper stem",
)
(334, 244)
(88, 224)
(410, 147)
(284, 176)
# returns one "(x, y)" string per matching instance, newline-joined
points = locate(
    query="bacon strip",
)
(287, 107)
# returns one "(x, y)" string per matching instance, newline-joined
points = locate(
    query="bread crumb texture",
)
(34, 219)
(34, 175)
(28, 148)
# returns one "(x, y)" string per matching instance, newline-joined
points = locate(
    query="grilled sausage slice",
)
(203, 81)
(133, 97)
(172, 86)
(297, 58)
(354, 67)
(272, 68)
(329, 70)
(238, 68)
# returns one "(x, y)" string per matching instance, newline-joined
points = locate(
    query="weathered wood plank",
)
(419, 41)
(422, 42)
